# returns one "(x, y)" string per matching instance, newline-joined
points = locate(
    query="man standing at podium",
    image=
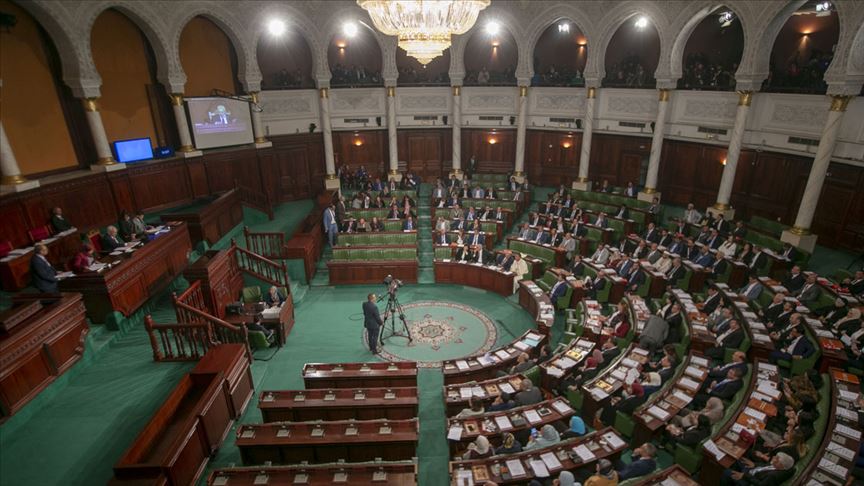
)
(372, 322)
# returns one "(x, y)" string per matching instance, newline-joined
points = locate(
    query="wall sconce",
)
(723, 162)
(566, 144)
(496, 43)
(492, 140)
(358, 142)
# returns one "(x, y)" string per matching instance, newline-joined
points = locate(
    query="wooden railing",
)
(193, 297)
(260, 267)
(254, 199)
(268, 245)
(178, 342)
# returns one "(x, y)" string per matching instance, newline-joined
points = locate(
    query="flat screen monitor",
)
(133, 150)
(219, 122)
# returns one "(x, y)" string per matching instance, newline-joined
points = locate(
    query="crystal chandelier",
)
(424, 27)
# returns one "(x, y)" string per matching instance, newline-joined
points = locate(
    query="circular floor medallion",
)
(440, 331)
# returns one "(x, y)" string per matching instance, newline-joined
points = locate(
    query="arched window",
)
(560, 56)
(632, 55)
(491, 55)
(285, 61)
(713, 52)
(355, 57)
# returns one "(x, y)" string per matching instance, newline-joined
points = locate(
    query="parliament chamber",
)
(460, 242)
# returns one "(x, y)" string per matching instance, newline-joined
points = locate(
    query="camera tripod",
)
(389, 328)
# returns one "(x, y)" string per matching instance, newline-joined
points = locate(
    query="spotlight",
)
(823, 6)
(492, 28)
(726, 19)
(276, 27)
(350, 29)
(641, 22)
(563, 28)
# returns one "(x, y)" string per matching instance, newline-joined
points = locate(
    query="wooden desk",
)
(700, 337)
(176, 444)
(371, 271)
(319, 442)
(360, 375)
(538, 304)
(234, 362)
(281, 323)
(457, 396)
(602, 444)
(493, 425)
(843, 386)
(650, 418)
(698, 276)
(482, 277)
(598, 391)
(675, 472)
(732, 447)
(485, 366)
(135, 277)
(213, 220)
(41, 337)
(564, 362)
(338, 404)
(15, 270)
(560, 256)
(390, 473)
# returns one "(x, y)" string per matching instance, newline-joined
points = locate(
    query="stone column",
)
(11, 179)
(582, 183)
(799, 235)
(258, 127)
(106, 162)
(457, 132)
(186, 149)
(732, 154)
(519, 169)
(331, 181)
(650, 190)
(392, 139)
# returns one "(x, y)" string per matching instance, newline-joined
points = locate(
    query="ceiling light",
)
(563, 28)
(641, 22)
(424, 28)
(823, 6)
(276, 27)
(726, 19)
(350, 29)
(492, 28)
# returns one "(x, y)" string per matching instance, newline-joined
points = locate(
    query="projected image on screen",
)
(219, 122)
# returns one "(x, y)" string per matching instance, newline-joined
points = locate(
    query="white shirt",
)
(792, 345)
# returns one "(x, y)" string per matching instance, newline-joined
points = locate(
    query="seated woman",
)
(509, 445)
(274, 297)
(794, 444)
(713, 409)
(478, 449)
(548, 436)
(577, 428)
(474, 408)
(83, 259)
(376, 224)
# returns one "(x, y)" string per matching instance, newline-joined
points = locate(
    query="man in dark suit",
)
(652, 234)
(477, 238)
(795, 280)
(789, 252)
(542, 237)
(730, 339)
(635, 278)
(623, 212)
(642, 462)
(775, 473)
(666, 239)
(505, 261)
(721, 225)
(798, 347)
(408, 224)
(759, 258)
(739, 360)
(810, 292)
(740, 230)
(677, 246)
(579, 230)
(558, 290)
(58, 222)
(714, 240)
(691, 252)
(705, 258)
(577, 268)
(43, 275)
(393, 213)
(712, 300)
(724, 389)
(601, 222)
(111, 240)
(718, 268)
(774, 309)
(675, 273)
(372, 322)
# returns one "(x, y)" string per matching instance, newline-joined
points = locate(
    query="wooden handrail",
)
(268, 244)
(260, 267)
(178, 342)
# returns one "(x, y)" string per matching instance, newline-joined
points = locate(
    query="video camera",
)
(392, 284)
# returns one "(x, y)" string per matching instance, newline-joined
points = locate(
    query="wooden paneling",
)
(617, 158)
(498, 157)
(368, 148)
(158, 185)
(428, 153)
(552, 158)
(294, 168)
(226, 166)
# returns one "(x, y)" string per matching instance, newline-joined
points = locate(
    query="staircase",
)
(425, 252)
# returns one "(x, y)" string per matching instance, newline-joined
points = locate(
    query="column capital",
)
(457, 90)
(797, 230)
(745, 97)
(391, 91)
(664, 94)
(176, 99)
(90, 104)
(253, 95)
(592, 93)
(12, 180)
(523, 91)
(649, 190)
(840, 102)
(324, 92)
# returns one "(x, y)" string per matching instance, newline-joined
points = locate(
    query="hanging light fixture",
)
(424, 27)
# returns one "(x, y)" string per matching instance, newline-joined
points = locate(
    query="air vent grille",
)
(715, 131)
(562, 120)
(425, 117)
(356, 120)
(631, 124)
(491, 118)
(803, 141)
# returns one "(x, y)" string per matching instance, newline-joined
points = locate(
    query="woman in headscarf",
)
(566, 478)
(577, 428)
(509, 445)
(548, 436)
(83, 259)
(713, 409)
(478, 449)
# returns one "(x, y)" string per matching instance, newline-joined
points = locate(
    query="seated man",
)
(528, 394)
(274, 297)
(111, 241)
(712, 300)
(753, 289)
(58, 222)
(776, 472)
(268, 333)
(558, 290)
(809, 294)
(42, 273)
(724, 389)
(730, 339)
(796, 347)
(441, 238)
(408, 224)
(642, 462)
(505, 260)
(739, 360)
(577, 268)
(795, 280)
(654, 333)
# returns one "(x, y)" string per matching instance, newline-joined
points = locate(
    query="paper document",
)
(552, 462)
(533, 417)
(584, 453)
(506, 388)
(562, 407)
(455, 433)
(711, 447)
(539, 469)
(503, 422)
(613, 440)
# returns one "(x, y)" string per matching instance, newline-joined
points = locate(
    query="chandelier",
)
(424, 27)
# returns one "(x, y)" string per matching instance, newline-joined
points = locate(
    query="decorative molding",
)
(712, 111)
(800, 115)
(423, 103)
(558, 103)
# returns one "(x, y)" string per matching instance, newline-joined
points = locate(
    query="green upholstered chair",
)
(258, 340)
(251, 295)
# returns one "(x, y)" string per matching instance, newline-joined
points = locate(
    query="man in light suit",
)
(372, 322)
(42, 274)
(441, 238)
(568, 244)
(601, 221)
(753, 289)
(330, 225)
(601, 255)
(654, 254)
(526, 233)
